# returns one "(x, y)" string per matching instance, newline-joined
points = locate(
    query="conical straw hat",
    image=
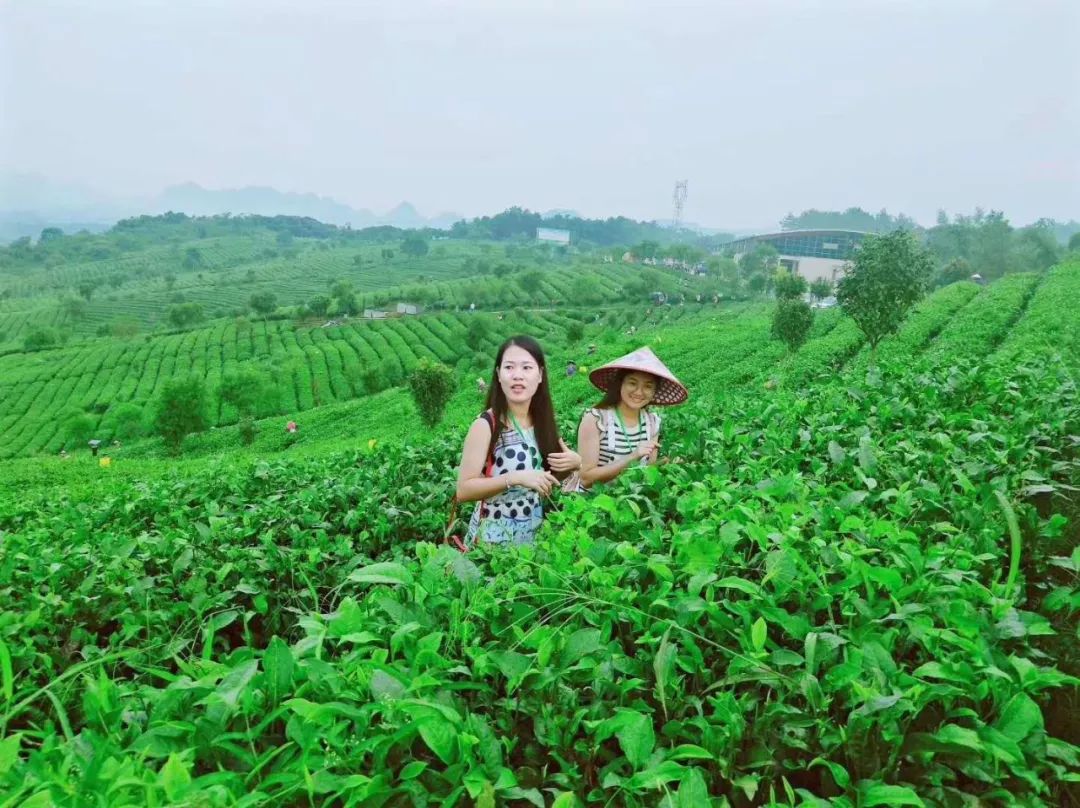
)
(669, 391)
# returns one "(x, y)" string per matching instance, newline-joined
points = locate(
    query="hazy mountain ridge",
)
(31, 202)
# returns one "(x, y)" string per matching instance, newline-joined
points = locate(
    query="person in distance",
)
(621, 429)
(513, 456)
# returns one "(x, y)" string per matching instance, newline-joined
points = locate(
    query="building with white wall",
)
(812, 254)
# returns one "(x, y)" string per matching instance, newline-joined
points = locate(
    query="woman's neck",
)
(629, 414)
(520, 412)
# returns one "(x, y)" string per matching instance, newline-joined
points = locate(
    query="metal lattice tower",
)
(679, 200)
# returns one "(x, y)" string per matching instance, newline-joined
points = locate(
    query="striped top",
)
(614, 443)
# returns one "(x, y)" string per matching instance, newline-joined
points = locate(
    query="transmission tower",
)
(679, 200)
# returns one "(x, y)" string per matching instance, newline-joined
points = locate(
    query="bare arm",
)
(589, 448)
(473, 484)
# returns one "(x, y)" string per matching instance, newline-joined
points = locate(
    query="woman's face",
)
(519, 375)
(638, 390)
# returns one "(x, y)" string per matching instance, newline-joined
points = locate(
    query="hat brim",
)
(669, 390)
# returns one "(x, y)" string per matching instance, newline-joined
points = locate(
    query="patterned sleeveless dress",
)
(512, 516)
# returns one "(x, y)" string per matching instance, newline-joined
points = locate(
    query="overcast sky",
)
(765, 107)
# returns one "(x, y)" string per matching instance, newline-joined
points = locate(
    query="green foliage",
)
(850, 219)
(41, 338)
(575, 332)
(180, 410)
(821, 289)
(319, 305)
(958, 269)
(183, 315)
(792, 321)
(250, 391)
(248, 430)
(477, 332)
(264, 303)
(888, 275)
(78, 429)
(415, 245)
(431, 385)
(789, 286)
(125, 422)
(1074, 242)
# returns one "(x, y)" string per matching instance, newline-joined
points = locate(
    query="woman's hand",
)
(566, 460)
(647, 448)
(539, 481)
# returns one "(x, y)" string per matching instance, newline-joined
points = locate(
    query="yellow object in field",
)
(371, 444)
(583, 369)
(105, 462)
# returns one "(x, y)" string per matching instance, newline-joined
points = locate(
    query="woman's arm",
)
(589, 448)
(472, 484)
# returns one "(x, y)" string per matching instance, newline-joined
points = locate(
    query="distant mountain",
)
(195, 200)
(31, 202)
(198, 201)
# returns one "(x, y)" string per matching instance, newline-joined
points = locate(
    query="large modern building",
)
(813, 254)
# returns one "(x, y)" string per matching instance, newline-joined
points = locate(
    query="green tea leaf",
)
(278, 665)
(412, 770)
(759, 632)
(386, 686)
(693, 791)
(882, 794)
(174, 777)
(636, 737)
(441, 737)
(1019, 717)
(959, 736)
(9, 752)
(384, 572)
(581, 643)
(749, 587)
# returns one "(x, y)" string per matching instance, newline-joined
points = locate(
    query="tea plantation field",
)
(848, 590)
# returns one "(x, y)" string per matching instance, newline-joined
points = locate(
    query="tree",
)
(887, 276)
(74, 307)
(789, 286)
(957, 269)
(431, 384)
(78, 429)
(531, 282)
(50, 234)
(170, 280)
(821, 289)
(180, 410)
(478, 329)
(415, 245)
(126, 421)
(86, 289)
(184, 314)
(791, 323)
(264, 303)
(761, 259)
(193, 258)
(41, 338)
(1074, 242)
(250, 391)
(575, 332)
(319, 305)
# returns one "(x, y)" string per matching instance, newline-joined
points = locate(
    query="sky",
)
(599, 107)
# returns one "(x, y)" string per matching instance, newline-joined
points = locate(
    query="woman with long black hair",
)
(513, 455)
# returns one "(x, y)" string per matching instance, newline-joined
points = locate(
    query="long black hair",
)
(541, 410)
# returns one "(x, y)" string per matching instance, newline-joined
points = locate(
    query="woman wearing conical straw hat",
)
(621, 429)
